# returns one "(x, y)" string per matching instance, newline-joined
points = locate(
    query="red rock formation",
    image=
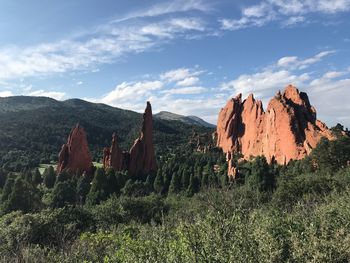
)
(288, 130)
(114, 157)
(142, 157)
(106, 157)
(75, 155)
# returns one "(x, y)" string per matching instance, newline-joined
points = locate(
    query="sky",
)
(185, 56)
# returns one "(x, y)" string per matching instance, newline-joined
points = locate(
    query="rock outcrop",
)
(288, 130)
(114, 157)
(75, 155)
(141, 157)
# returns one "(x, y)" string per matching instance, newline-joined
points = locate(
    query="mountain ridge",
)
(36, 127)
(191, 119)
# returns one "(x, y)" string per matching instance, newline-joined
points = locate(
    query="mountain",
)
(191, 120)
(288, 130)
(33, 129)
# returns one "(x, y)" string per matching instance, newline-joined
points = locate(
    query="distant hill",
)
(191, 120)
(33, 129)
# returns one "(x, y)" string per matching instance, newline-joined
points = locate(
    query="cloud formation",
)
(286, 11)
(105, 43)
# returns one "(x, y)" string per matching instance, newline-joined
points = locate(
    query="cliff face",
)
(75, 155)
(141, 157)
(287, 130)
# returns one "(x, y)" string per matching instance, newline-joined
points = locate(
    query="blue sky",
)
(185, 56)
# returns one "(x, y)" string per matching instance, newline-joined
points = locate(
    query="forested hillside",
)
(33, 129)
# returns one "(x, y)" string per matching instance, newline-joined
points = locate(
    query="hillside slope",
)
(191, 120)
(34, 128)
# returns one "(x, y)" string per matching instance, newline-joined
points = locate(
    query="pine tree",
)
(6, 191)
(97, 191)
(175, 183)
(64, 193)
(112, 183)
(49, 177)
(36, 177)
(3, 177)
(193, 186)
(83, 188)
(205, 180)
(260, 177)
(158, 184)
(185, 178)
(24, 197)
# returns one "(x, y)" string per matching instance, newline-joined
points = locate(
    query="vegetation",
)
(188, 212)
(35, 128)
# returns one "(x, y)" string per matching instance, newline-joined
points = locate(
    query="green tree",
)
(97, 191)
(260, 176)
(24, 197)
(205, 180)
(158, 184)
(112, 183)
(330, 156)
(3, 177)
(185, 178)
(36, 177)
(175, 183)
(6, 191)
(83, 188)
(49, 177)
(193, 186)
(64, 193)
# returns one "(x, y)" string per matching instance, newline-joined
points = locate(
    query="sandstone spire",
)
(142, 157)
(75, 155)
(287, 130)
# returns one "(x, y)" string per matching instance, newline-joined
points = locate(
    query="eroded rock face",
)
(75, 155)
(288, 130)
(114, 157)
(141, 157)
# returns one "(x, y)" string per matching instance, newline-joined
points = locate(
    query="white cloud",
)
(127, 92)
(264, 81)
(170, 28)
(165, 94)
(176, 74)
(293, 20)
(185, 90)
(169, 7)
(287, 11)
(103, 44)
(183, 76)
(189, 81)
(51, 94)
(296, 63)
(6, 93)
(79, 83)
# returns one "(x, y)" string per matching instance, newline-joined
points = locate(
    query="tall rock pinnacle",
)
(288, 130)
(142, 157)
(75, 155)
